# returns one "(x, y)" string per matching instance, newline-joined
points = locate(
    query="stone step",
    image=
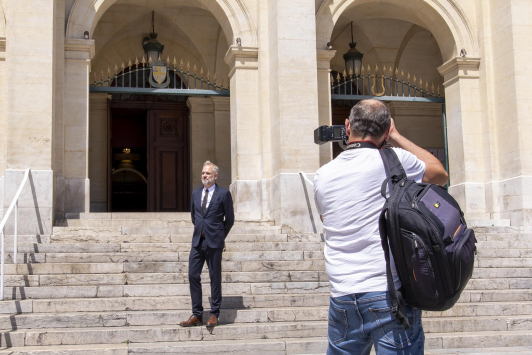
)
(514, 350)
(157, 267)
(91, 349)
(474, 309)
(131, 248)
(240, 316)
(478, 339)
(134, 253)
(505, 244)
(473, 343)
(145, 222)
(483, 237)
(156, 230)
(293, 330)
(149, 334)
(158, 318)
(160, 257)
(503, 253)
(477, 223)
(178, 238)
(79, 279)
(498, 229)
(281, 346)
(503, 262)
(181, 216)
(511, 269)
(506, 272)
(161, 278)
(159, 247)
(158, 290)
(67, 305)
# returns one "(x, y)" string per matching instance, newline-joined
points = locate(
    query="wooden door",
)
(168, 160)
(339, 114)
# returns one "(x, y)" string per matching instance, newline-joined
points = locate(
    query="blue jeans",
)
(359, 320)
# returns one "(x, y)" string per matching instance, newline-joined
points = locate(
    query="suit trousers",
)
(196, 260)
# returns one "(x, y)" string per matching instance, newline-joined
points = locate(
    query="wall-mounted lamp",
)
(328, 46)
(239, 42)
(463, 53)
(86, 34)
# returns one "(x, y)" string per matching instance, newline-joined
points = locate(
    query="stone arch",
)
(445, 19)
(174, 38)
(233, 16)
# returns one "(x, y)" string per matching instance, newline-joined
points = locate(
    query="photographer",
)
(348, 198)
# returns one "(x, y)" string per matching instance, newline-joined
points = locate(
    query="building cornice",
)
(324, 58)
(459, 68)
(238, 57)
(79, 49)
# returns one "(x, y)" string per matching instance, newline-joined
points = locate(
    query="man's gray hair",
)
(370, 118)
(214, 167)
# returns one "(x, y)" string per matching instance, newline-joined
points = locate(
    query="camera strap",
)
(361, 144)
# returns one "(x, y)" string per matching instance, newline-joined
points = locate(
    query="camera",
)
(335, 133)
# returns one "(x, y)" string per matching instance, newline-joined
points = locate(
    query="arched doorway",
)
(196, 42)
(428, 37)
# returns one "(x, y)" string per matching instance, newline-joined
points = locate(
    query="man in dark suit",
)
(210, 204)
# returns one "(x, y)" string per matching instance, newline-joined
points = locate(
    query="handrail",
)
(14, 204)
(306, 178)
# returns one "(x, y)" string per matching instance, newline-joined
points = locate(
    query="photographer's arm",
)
(434, 171)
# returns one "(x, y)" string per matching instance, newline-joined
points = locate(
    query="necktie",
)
(204, 204)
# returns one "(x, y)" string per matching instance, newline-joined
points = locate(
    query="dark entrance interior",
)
(148, 157)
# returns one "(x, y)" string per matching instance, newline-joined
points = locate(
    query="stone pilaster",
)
(222, 138)
(201, 135)
(30, 113)
(324, 99)
(246, 146)
(98, 151)
(294, 113)
(78, 53)
(466, 169)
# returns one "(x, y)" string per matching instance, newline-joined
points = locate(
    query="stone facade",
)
(262, 135)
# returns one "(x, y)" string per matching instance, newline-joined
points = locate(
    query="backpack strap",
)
(398, 304)
(392, 165)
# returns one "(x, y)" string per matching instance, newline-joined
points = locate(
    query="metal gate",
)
(388, 86)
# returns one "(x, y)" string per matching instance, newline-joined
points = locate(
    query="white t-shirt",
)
(347, 192)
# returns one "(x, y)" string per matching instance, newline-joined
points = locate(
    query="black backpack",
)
(432, 247)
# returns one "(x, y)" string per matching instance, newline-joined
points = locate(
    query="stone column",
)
(78, 53)
(201, 135)
(464, 136)
(30, 112)
(222, 139)
(98, 151)
(512, 74)
(294, 113)
(324, 99)
(246, 146)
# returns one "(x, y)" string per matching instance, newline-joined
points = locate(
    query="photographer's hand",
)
(434, 171)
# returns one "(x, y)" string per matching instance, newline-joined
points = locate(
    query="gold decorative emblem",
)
(159, 77)
(437, 205)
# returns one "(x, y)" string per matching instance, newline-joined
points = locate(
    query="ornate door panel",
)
(168, 185)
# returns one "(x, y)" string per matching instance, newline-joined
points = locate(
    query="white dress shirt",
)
(211, 191)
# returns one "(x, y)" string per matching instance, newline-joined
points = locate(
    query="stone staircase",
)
(116, 284)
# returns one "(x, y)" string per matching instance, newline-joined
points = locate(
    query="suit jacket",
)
(214, 225)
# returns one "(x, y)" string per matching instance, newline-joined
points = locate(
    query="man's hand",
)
(434, 171)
